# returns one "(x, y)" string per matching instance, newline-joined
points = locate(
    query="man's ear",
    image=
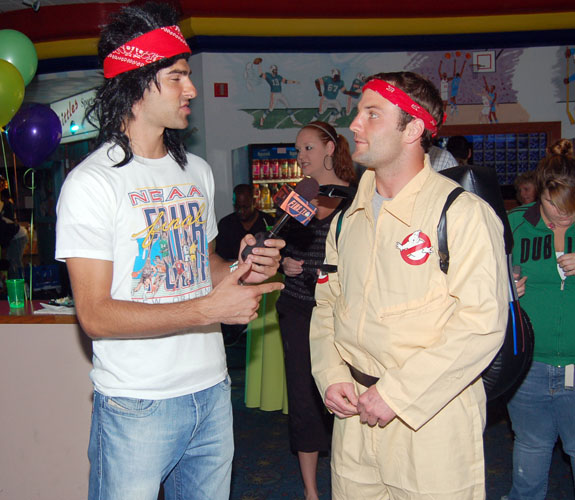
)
(414, 130)
(136, 109)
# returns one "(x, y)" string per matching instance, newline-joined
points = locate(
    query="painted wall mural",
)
(568, 82)
(476, 86)
(270, 94)
(287, 90)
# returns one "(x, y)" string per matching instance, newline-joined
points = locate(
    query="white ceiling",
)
(48, 88)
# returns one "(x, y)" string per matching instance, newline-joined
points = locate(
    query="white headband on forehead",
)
(324, 130)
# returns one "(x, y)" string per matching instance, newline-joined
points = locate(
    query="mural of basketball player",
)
(328, 88)
(444, 85)
(275, 80)
(485, 106)
(455, 83)
(354, 92)
(568, 53)
(490, 89)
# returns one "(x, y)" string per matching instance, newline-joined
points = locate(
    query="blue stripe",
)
(470, 41)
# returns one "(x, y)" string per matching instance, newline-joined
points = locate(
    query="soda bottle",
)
(256, 172)
(273, 190)
(266, 198)
(257, 195)
(265, 169)
(298, 169)
(274, 168)
(284, 174)
(261, 199)
(293, 169)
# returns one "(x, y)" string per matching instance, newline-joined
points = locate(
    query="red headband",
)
(146, 49)
(400, 98)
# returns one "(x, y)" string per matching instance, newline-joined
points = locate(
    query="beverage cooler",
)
(267, 167)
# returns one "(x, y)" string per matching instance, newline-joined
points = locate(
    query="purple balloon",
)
(34, 133)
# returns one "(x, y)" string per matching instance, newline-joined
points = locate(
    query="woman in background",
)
(543, 407)
(526, 187)
(323, 155)
(8, 211)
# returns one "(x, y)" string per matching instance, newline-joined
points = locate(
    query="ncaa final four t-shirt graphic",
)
(173, 255)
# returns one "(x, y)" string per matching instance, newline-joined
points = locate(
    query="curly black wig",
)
(114, 100)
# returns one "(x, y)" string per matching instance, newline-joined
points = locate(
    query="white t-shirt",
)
(153, 220)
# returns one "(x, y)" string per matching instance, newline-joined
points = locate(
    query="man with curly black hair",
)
(136, 227)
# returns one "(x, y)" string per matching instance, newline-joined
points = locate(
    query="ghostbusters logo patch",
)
(322, 278)
(415, 248)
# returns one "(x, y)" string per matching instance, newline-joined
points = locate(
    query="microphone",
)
(297, 205)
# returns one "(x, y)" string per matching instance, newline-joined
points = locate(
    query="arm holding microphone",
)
(264, 261)
(296, 205)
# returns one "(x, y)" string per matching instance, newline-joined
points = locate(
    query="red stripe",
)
(61, 22)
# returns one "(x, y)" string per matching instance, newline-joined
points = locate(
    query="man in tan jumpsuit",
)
(397, 345)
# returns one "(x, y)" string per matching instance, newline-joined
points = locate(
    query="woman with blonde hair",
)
(542, 408)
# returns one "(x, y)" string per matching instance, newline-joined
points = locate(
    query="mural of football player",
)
(354, 92)
(251, 74)
(275, 80)
(328, 88)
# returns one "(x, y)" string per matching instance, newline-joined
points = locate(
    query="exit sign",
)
(220, 90)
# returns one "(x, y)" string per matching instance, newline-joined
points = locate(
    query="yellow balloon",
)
(18, 49)
(11, 91)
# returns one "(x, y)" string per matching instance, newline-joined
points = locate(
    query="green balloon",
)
(18, 49)
(11, 91)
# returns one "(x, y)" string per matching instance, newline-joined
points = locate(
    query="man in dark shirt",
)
(245, 219)
(231, 229)
(8, 230)
(460, 148)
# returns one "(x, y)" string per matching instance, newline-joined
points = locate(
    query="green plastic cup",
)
(16, 293)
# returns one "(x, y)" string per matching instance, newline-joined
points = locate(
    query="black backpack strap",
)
(338, 227)
(443, 250)
(332, 268)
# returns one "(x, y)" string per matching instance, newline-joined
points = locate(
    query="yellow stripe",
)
(67, 48)
(233, 26)
(376, 27)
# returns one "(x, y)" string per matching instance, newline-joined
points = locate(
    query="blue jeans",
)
(186, 443)
(541, 410)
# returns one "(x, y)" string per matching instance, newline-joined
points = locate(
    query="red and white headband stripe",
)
(403, 101)
(150, 47)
